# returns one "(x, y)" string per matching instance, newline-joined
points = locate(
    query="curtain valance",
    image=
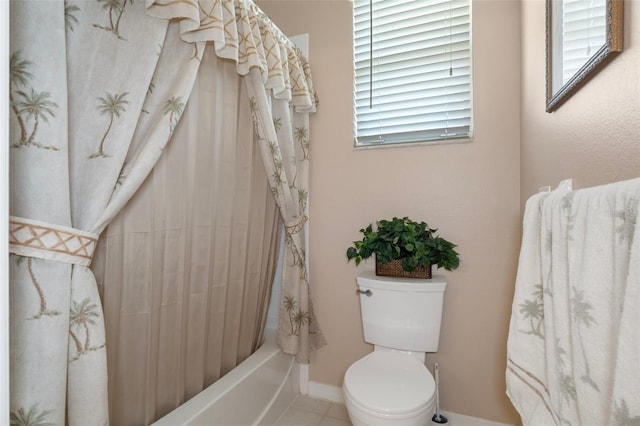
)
(241, 32)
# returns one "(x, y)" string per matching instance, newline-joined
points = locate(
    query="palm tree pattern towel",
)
(574, 338)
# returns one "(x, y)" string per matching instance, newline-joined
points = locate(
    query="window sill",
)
(414, 144)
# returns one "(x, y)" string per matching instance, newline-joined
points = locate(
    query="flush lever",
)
(368, 292)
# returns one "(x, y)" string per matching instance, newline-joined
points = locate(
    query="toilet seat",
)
(390, 383)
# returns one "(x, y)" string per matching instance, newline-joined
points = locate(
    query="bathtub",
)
(256, 392)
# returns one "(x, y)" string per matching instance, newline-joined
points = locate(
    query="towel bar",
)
(566, 184)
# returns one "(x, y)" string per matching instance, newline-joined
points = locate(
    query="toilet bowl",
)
(389, 388)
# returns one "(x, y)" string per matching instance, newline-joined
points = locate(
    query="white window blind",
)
(583, 33)
(412, 70)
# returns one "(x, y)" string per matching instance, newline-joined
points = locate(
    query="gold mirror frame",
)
(612, 46)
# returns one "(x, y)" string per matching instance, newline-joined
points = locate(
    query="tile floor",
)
(306, 411)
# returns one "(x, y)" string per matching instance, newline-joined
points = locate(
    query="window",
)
(412, 71)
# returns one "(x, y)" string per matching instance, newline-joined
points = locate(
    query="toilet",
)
(401, 317)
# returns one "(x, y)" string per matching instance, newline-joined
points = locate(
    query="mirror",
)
(582, 36)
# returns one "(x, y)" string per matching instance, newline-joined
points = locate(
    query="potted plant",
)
(404, 248)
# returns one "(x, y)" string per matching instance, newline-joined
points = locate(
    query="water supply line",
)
(437, 417)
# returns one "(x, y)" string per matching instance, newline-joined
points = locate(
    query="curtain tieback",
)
(53, 242)
(297, 225)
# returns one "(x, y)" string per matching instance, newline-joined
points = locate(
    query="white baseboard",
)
(326, 392)
(335, 394)
(462, 420)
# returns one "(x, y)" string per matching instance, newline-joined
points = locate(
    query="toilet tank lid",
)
(369, 279)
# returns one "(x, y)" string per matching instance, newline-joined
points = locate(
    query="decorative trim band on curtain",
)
(53, 242)
(242, 32)
(297, 225)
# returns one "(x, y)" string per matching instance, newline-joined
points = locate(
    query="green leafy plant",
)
(413, 242)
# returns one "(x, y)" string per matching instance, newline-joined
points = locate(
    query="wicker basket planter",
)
(393, 268)
(404, 239)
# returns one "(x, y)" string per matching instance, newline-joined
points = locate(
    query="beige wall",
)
(594, 137)
(469, 191)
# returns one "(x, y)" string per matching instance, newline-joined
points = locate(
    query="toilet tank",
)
(401, 313)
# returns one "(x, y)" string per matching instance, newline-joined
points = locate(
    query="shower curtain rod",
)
(284, 38)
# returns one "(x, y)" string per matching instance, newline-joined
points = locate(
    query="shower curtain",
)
(96, 90)
(186, 268)
(573, 347)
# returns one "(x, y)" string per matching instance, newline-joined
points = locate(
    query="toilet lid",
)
(390, 382)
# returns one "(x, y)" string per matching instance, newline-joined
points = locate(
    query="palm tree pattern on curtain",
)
(83, 315)
(44, 310)
(112, 106)
(31, 417)
(115, 10)
(173, 108)
(70, 19)
(28, 104)
(297, 318)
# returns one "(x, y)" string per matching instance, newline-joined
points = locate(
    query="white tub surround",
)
(256, 392)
